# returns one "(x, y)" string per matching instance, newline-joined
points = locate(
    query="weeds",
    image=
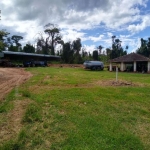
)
(32, 114)
(6, 105)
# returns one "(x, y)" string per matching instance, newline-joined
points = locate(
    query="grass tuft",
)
(26, 93)
(11, 145)
(32, 114)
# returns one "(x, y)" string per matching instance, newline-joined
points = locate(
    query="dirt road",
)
(10, 78)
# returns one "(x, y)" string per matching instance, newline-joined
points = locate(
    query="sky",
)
(94, 21)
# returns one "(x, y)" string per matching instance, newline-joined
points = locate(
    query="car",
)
(33, 63)
(94, 65)
(40, 63)
(27, 63)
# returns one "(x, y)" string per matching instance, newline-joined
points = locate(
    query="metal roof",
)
(29, 54)
(130, 58)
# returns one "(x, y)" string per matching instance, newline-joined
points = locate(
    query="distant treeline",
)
(50, 42)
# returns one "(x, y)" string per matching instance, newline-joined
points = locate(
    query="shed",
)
(28, 56)
(132, 62)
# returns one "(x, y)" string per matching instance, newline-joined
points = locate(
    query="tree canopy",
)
(144, 48)
(16, 39)
(3, 36)
(53, 38)
(116, 50)
(28, 48)
(50, 39)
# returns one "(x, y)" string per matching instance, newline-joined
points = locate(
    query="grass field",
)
(76, 109)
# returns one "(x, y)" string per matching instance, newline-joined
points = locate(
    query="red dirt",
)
(10, 78)
(11, 124)
(67, 65)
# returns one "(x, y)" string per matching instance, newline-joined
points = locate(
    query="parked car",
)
(34, 63)
(94, 65)
(27, 63)
(40, 63)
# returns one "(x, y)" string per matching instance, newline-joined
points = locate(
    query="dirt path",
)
(11, 124)
(11, 77)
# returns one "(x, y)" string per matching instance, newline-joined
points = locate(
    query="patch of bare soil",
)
(12, 126)
(66, 65)
(116, 83)
(10, 78)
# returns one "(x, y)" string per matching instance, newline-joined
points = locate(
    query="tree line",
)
(144, 48)
(50, 42)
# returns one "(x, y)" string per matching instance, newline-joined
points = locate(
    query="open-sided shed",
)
(132, 62)
(28, 56)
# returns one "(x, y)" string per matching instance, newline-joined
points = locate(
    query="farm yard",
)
(10, 78)
(69, 108)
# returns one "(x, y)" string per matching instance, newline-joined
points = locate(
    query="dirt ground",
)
(10, 78)
(67, 65)
(115, 83)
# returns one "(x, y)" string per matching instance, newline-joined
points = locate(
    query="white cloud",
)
(70, 35)
(75, 14)
(134, 28)
(74, 17)
(96, 39)
(6, 2)
(89, 48)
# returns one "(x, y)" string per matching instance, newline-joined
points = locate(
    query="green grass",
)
(7, 105)
(70, 111)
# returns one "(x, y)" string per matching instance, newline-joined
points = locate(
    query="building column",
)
(148, 67)
(134, 66)
(110, 67)
(122, 66)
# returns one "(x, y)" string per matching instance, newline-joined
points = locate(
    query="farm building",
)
(20, 56)
(131, 63)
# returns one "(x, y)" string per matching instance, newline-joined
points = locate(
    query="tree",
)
(13, 48)
(117, 49)
(16, 39)
(108, 53)
(100, 49)
(127, 47)
(76, 44)
(144, 48)
(9, 42)
(3, 36)
(103, 58)
(29, 48)
(67, 53)
(53, 37)
(113, 38)
(90, 56)
(41, 46)
(84, 54)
